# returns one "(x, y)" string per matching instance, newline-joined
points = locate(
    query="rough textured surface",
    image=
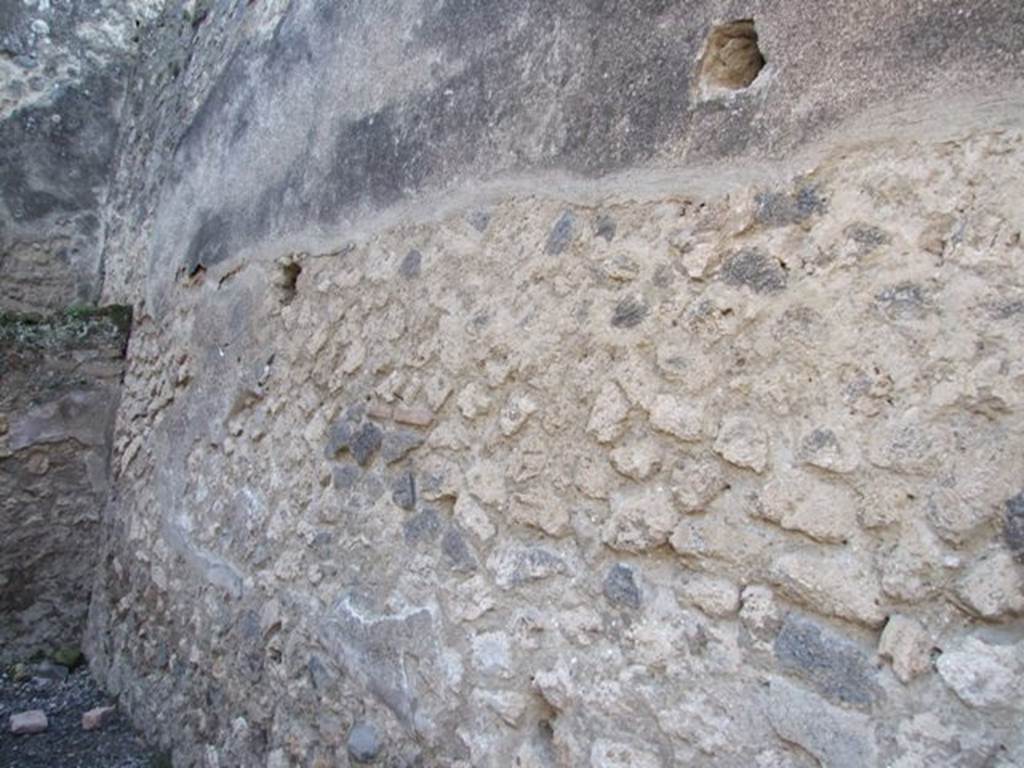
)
(60, 383)
(295, 120)
(552, 384)
(63, 71)
(588, 517)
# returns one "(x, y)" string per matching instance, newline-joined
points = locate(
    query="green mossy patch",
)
(72, 658)
(74, 327)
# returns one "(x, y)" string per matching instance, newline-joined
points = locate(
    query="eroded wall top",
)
(283, 119)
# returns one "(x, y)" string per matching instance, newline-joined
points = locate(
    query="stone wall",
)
(63, 69)
(60, 382)
(566, 384)
(718, 479)
(64, 66)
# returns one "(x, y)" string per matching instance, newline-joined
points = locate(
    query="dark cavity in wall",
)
(732, 59)
(288, 281)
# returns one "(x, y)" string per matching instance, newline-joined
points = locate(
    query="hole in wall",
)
(287, 284)
(732, 59)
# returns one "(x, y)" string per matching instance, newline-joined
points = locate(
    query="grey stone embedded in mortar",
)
(816, 441)
(404, 491)
(457, 552)
(421, 527)
(605, 228)
(561, 234)
(411, 265)
(318, 673)
(866, 237)
(396, 445)
(778, 209)
(479, 220)
(345, 477)
(905, 300)
(1013, 526)
(339, 435)
(833, 664)
(629, 312)
(364, 744)
(365, 443)
(755, 270)
(518, 565)
(620, 587)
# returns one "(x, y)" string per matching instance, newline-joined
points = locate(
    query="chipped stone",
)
(472, 599)
(514, 414)
(415, 417)
(742, 442)
(515, 565)
(985, 675)
(473, 401)
(608, 416)
(637, 461)
(491, 654)
(955, 519)
(354, 358)
(837, 585)
(759, 612)
(473, 518)
(798, 502)
(905, 643)
(641, 519)
(696, 482)
(993, 587)
(486, 481)
(715, 596)
(700, 259)
(829, 449)
(556, 686)
(621, 268)
(545, 513)
(677, 417)
(437, 389)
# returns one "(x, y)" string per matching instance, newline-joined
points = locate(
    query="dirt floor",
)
(65, 744)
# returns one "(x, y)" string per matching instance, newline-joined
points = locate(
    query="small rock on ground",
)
(33, 721)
